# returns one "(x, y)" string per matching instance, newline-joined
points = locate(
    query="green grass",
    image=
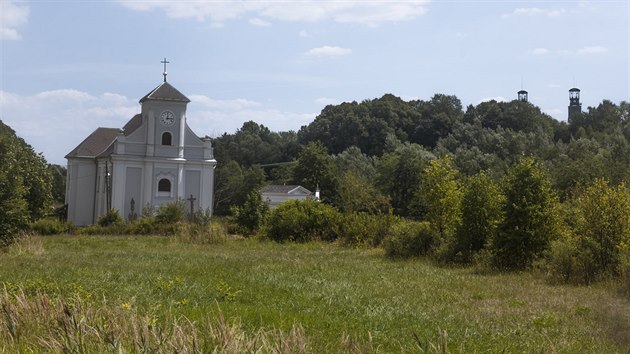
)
(338, 296)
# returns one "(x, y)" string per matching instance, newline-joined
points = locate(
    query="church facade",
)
(154, 159)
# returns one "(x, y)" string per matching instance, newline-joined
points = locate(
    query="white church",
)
(154, 159)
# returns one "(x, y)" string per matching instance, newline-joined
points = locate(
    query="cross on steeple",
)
(164, 73)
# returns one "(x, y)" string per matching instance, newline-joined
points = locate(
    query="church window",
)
(164, 185)
(167, 138)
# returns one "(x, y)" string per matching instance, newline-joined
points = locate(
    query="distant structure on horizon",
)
(575, 107)
(522, 96)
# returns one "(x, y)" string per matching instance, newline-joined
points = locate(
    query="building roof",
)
(133, 124)
(165, 92)
(284, 189)
(95, 144)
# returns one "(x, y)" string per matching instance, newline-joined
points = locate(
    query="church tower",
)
(522, 96)
(154, 159)
(575, 107)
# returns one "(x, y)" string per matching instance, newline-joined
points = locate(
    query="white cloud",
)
(540, 51)
(370, 13)
(12, 15)
(593, 50)
(535, 11)
(55, 122)
(304, 34)
(328, 51)
(260, 23)
(496, 98)
(234, 104)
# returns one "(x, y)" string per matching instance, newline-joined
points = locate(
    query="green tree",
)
(440, 194)
(13, 205)
(481, 215)
(252, 214)
(315, 168)
(530, 216)
(603, 225)
(357, 194)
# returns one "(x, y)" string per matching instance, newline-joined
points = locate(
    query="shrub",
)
(531, 218)
(481, 215)
(51, 227)
(252, 214)
(566, 262)
(302, 221)
(363, 229)
(112, 217)
(171, 213)
(603, 224)
(410, 239)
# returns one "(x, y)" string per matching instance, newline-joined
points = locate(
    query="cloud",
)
(593, 50)
(12, 15)
(535, 11)
(260, 23)
(304, 34)
(55, 122)
(540, 51)
(496, 98)
(370, 13)
(328, 51)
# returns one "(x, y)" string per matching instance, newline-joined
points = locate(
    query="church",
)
(154, 159)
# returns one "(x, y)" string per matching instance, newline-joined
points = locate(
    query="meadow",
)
(152, 293)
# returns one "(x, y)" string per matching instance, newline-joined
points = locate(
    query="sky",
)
(69, 66)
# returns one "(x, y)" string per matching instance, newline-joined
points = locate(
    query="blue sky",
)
(68, 67)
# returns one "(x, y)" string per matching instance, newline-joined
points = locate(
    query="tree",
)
(481, 215)
(13, 205)
(315, 168)
(358, 194)
(252, 214)
(440, 195)
(603, 224)
(531, 216)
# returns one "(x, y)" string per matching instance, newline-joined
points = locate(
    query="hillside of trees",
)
(380, 146)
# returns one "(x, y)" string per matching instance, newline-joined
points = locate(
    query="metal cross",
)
(164, 62)
(192, 200)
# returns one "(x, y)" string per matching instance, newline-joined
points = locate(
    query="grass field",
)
(334, 299)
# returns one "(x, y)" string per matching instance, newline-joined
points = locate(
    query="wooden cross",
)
(164, 62)
(192, 200)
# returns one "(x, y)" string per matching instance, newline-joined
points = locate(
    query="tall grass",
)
(144, 290)
(55, 324)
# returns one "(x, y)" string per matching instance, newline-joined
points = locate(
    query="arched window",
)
(167, 138)
(164, 185)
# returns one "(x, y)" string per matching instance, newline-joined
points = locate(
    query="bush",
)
(171, 213)
(252, 214)
(567, 263)
(51, 227)
(111, 218)
(363, 229)
(531, 220)
(302, 221)
(410, 239)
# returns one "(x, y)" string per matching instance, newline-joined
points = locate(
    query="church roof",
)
(95, 144)
(165, 92)
(284, 189)
(133, 124)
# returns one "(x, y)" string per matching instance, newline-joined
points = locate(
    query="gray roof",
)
(133, 124)
(165, 92)
(279, 188)
(95, 144)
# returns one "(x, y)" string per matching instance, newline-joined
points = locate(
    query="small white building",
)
(154, 159)
(276, 194)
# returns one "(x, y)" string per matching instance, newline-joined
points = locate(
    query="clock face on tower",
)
(167, 118)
